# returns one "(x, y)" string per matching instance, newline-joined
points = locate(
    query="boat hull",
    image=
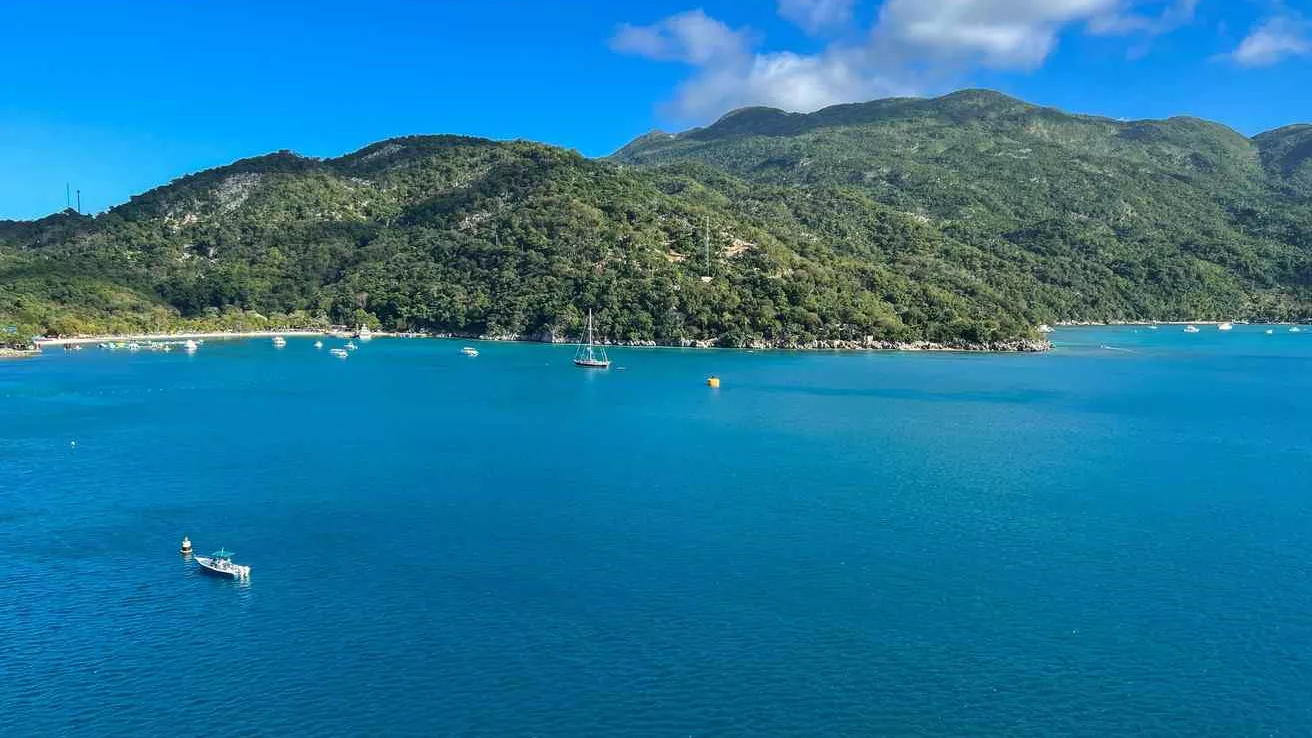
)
(591, 364)
(208, 566)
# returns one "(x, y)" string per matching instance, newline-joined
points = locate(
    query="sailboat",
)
(707, 278)
(589, 355)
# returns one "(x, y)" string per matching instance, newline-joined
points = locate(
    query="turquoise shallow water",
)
(1097, 541)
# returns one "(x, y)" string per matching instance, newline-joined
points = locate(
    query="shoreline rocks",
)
(1016, 345)
(13, 353)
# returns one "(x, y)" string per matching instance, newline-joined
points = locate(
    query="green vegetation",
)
(968, 220)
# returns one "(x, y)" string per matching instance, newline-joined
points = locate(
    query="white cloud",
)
(912, 41)
(1002, 34)
(1273, 41)
(817, 15)
(783, 80)
(692, 38)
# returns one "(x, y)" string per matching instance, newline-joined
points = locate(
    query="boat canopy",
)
(223, 554)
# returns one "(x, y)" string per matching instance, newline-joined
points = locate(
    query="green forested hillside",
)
(1127, 220)
(968, 220)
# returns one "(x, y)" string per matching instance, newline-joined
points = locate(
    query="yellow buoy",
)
(713, 382)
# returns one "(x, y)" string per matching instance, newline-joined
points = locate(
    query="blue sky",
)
(118, 97)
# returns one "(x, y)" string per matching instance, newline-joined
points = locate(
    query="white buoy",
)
(186, 546)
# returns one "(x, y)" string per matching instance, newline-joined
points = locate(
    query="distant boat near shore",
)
(1226, 327)
(589, 355)
(1191, 329)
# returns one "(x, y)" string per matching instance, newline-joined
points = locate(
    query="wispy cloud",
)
(1273, 41)
(692, 38)
(816, 16)
(1152, 21)
(911, 43)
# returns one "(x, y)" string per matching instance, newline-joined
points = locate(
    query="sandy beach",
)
(217, 336)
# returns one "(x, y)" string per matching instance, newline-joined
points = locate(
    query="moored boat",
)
(220, 564)
(279, 341)
(469, 351)
(589, 355)
(339, 353)
(1191, 329)
(1226, 327)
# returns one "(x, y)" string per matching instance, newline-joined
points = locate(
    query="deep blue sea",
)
(1112, 539)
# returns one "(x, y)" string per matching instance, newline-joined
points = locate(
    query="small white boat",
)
(190, 346)
(1191, 329)
(220, 563)
(1152, 327)
(340, 353)
(469, 351)
(279, 341)
(318, 344)
(1270, 331)
(1226, 327)
(1295, 329)
(363, 333)
(350, 346)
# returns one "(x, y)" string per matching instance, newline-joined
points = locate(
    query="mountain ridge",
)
(964, 220)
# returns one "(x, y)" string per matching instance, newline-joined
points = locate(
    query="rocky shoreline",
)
(1018, 345)
(13, 353)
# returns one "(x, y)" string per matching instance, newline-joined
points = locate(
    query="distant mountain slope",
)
(1287, 156)
(967, 219)
(1182, 216)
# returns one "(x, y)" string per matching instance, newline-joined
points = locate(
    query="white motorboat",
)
(350, 346)
(1191, 329)
(318, 344)
(1226, 327)
(220, 564)
(469, 351)
(340, 353)
(190, 346)
(279, 341)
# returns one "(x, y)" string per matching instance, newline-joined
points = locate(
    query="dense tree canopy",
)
(967, 219)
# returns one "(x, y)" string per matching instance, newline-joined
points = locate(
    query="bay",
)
(1108, 539)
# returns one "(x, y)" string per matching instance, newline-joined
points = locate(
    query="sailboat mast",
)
(708, 245)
